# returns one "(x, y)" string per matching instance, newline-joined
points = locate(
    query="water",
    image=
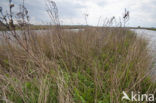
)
(151, 37)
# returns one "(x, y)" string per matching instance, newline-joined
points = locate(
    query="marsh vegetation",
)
(93, 65)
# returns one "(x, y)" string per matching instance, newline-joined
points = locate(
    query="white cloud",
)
(142, 12)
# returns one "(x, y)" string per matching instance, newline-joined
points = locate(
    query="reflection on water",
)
(151, 37)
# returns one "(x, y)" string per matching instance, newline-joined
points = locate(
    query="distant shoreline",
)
(44, 27)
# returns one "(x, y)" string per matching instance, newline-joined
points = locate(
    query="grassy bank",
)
(154, 29)
(90, 66)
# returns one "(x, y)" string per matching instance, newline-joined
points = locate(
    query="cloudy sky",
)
(142, 12)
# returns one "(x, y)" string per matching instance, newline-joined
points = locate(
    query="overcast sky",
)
(142, 12)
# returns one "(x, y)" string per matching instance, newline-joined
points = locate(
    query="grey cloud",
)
(72, 9)
(102, 3)
(36, 8)
(69, 9)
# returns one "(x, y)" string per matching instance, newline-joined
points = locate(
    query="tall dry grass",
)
(89, 66)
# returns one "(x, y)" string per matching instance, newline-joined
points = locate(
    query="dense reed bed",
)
(88, 66)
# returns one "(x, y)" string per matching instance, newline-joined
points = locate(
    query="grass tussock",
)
(88, 66)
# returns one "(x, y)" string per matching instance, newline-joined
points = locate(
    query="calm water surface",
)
(151, 37)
